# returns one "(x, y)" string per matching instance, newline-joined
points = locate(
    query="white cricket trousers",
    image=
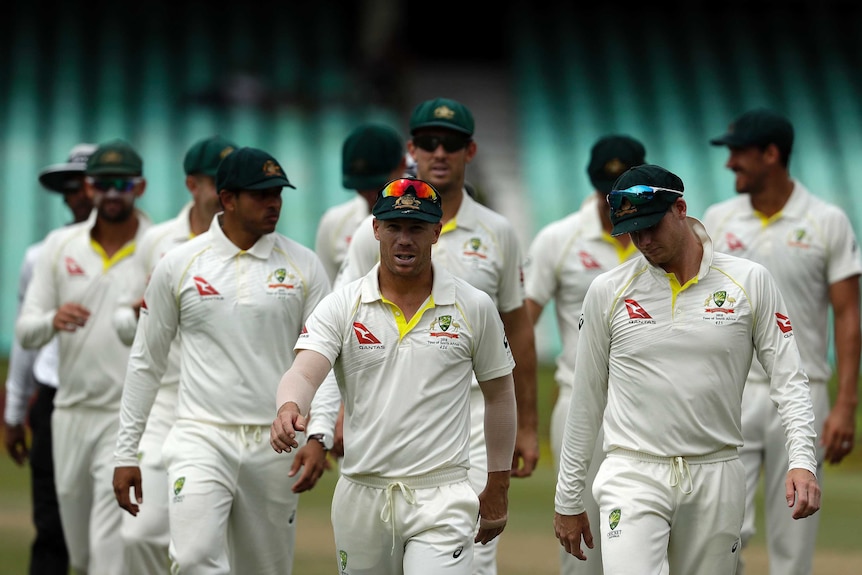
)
(685, 510)
(790, 542)
(84, 440)
(146, 536)
(230, 502)
(405, 526)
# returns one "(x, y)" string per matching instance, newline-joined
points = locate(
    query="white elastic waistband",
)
(725, 454)
(435, 479)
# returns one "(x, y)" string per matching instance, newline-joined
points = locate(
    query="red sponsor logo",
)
(588, 261)
(363, 334)
(783, 322)
(733, 242)
(72, 268)
(204, 287)
(636, 311)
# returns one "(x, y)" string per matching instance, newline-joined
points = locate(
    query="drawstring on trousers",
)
(387, 514)
(679, 473)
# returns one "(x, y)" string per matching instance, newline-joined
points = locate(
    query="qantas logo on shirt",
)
(783, 322)
(733, 243)
(636, 311)
(204, 287)
(73, 269)
(637, 314)
(367, 340)
(589, 261)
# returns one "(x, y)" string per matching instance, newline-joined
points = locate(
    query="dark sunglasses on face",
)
(119, 184)
(637, 195)
(451, 142)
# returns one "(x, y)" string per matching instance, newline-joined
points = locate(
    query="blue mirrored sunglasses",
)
(637, 195)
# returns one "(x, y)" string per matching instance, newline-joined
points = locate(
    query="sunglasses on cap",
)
(119, 184)
(637, 195)
(418, 188)
(450, 142)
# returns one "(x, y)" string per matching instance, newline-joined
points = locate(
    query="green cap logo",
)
(614, 518)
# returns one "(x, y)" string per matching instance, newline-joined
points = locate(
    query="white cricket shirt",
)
(73, 268)
(807, 246)
(406, 384)
(238, 313)
(666, 365)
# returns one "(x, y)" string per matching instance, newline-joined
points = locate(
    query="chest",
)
(472, 255)
(789, 247)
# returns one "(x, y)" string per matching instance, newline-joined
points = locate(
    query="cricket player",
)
(478, 245)
(237, 296)
(147, 535)
(404, 342)
(563, 259)
(665, 346)
(77, 283)
(810, 248)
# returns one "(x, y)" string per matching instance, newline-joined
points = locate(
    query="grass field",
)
(528, 546)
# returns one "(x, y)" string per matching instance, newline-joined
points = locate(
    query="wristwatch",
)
(318, 437)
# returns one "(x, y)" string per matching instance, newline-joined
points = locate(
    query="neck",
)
(114, 235)
(687, 264)
(237, 235)
(199, 220)
(451, 201)
(773, 197)
(407, 292)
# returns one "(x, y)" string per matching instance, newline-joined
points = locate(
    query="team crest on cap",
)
(225, 152)
(626, 208)
(615, 167)
(112, 157)
(407, 203)
(444, 112)
(270, 169)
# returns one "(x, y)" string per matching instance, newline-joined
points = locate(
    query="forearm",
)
(847, 354)
(300, 382)
(521, 336)
(500, 428)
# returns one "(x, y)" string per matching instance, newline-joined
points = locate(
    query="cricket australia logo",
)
(614, 519)
(475, 248)
(800, 239)
(178, 487)
(443, 330)
(715, 309)
(280, 283)
(342, 559)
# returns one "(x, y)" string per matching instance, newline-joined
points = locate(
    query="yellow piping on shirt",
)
(404, 326)
(120, 254)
